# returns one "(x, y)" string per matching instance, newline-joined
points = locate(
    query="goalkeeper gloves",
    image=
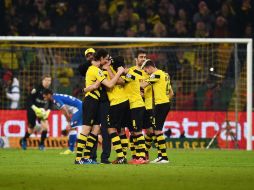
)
(46, 115)
(40, 112)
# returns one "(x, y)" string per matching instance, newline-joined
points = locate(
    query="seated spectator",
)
(180, 29)
(11, 85)
(204, 15)
(142, 29)
(221, 28)
(63, 73)
(201, 30)
(248, 31)
(160, 30)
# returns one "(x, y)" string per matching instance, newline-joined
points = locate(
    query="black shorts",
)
(149, 120)
(137, 119)
(104, 114)
(31, 118)
(91, 114)
(119, 115)
(160, 114)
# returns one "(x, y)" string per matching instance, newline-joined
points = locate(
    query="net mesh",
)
(203, 75)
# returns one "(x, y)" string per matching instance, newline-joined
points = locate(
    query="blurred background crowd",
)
(132, 18)
(196, 87)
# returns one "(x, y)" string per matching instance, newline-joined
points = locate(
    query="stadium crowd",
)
(146, 18)
(133, 18)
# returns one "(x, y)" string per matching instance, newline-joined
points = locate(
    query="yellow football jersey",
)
(132, 88)
(116, 95)
(148, 94)
(160, 83)
(92, 75)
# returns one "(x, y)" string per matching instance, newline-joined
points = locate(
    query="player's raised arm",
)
(113, 81)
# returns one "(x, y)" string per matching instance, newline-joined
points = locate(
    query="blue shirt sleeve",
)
(58, 101)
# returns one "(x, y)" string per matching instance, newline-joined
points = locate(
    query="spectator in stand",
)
(201, 30)
(104, 20)
(160, 30)
(183, 15)
(248, 32)
(120, 25)
(45, 27)
(204, 15)
(131, 32)
(11, 85)
(180, 29)
(181, 68)
(114, 17)
(142, 29)
(221, 28)
(63, 73)
(227, 12)
(167, 12)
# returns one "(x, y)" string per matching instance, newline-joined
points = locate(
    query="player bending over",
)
(71, 107)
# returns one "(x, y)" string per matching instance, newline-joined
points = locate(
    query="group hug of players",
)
(139, 98)
(136, 98)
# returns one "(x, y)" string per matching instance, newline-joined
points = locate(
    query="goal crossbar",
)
(170, 40)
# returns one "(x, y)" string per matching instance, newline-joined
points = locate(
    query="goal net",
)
(211, 79)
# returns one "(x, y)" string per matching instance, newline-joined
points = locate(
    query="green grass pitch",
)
(189, 169)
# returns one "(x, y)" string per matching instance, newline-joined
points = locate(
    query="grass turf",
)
(189, 169)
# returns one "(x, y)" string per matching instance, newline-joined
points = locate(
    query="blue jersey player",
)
(71, 107)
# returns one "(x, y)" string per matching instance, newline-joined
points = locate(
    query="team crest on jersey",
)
(100, 73)
(33, 91)
(152, 76)
(128, 75)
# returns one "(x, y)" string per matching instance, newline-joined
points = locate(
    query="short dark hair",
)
(140, 51)
(100, 53)
(118, 61)
(47, 91)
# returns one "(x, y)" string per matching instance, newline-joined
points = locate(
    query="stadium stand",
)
(146, 18)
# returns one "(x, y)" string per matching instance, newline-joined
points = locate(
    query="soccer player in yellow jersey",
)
(163, 92)
(91, 103)
(118, 116)
(137, 109)
(148, 99)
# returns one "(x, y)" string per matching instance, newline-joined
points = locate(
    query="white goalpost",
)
(247, 42)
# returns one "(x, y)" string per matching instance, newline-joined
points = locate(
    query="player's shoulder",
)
(95, 70)
(137, 71)
(160, 72)
(37, 89)
(157, 74)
